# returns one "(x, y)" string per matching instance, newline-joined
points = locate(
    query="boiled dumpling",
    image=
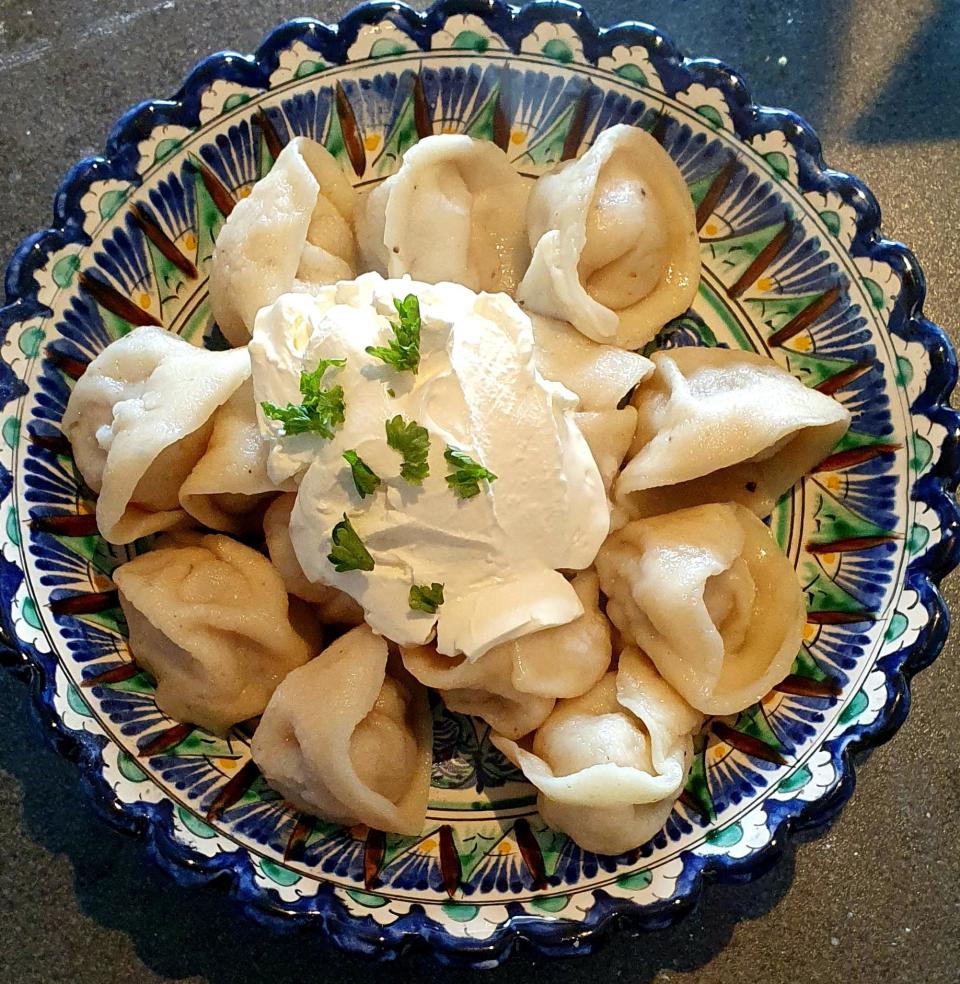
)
(348, 738)
(614, 238)
(292, 232)
(210, 620)
(718, 425)
(331, 604)
(140, 418)
(601, 375)
(710, 597)
(229, 489)
(609, 434)
(513, 686)
(609, 765)
(454, 211)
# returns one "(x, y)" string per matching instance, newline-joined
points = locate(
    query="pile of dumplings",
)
(690, 609)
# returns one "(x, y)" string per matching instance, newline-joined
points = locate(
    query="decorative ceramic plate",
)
(793, 266)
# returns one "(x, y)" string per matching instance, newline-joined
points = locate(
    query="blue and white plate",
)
(793, 266)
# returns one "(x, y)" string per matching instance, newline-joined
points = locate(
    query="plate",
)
(794, 267)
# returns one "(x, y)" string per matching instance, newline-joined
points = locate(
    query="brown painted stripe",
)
(531, 853)
(850, 544)
(116, 674)
(351, 130)
(298, 838)
(855, 456)
(575, 132)
(421, 109)
(156, 235)
(747, 744)
(763, 259)
(167, 739)
(217, 190)
(233, 789)
(56, 443)
(659, 128)
(839, 618)
(67, 364)
(110, 298)
(717, 187)
(692, 805)
(270, 136)
(450, 870)
(805, 687)
(803, 319)
(85, 604)
(84, 524)
(501, 120)
(374, 848)
(836, 383)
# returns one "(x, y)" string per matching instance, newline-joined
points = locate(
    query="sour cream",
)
(477, 389)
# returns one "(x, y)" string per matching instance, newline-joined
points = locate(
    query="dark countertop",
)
(877, 896)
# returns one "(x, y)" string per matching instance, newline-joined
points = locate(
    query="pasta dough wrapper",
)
(707, 593)
(293, 231)
(138, 421)
(349, 738)
(454, 211)
(210, 620)
(609, 765)
(229, 488)
(716, 425)
(331, 604)
(615, 246)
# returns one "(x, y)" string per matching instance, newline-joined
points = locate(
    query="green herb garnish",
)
(413, 443)
(403, 350)
(364, 477)
(426, 597)
(348, 552)
(467, 474)
(321, 411)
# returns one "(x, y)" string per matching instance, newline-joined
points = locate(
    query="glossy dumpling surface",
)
(707, 593)
(209, 619)
(610, 764)
(348, 738)
(615, 247)
(454, 211)
(718, 425)
(138, 421)
(293, 231)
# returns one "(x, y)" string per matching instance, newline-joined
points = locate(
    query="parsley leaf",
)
(366, 480)
(426, 597)
(348, 552)
(467, 474)
(321, 411)
(413, 443)
(403, 350)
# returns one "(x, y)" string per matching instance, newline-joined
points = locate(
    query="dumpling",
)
(710, 597)
(513, 686)
(140, 418)
(454, 211)
(331, 604)
(601, 375)
(609, 765)
(210, 620)
(718, 425)
(292, 232)
(229, 489)
(609, 433)
(614, 238)
(348, 738)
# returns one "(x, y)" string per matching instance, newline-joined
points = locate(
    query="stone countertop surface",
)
(876, 897)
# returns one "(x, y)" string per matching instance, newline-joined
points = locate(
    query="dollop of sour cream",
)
(477, 389)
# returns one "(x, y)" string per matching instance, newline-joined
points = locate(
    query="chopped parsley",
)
(348, 552)
(413, 443)
(426, 597)
(403, 350)
(364, 477)
(467, 474)
(320, 412)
